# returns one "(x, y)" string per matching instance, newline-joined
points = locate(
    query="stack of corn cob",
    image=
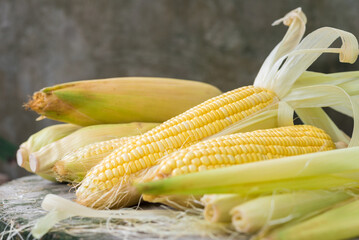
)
(247, 125)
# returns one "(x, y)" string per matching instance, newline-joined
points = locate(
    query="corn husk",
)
(119, 100)
(341, 222)
(40, 139)
(43, 161)
(267, 212)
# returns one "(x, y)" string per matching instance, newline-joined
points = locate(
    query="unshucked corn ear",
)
(43, 160)
(74, 165)
(266, 212)
(340, 222)
(119, 100)
(40, 139)
(109, 183)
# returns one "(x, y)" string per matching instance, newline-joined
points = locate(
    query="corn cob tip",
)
(21, 156)
(62, 174)
(103, 198)
(34, 163)
(59, 170)
(48, 105)
(36, 103)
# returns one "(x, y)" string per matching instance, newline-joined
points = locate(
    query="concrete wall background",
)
(45, 42)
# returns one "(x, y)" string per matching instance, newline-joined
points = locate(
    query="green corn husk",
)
(40, 139)
(341, 222)
(269, 211)
(42, 161)
(120, 100)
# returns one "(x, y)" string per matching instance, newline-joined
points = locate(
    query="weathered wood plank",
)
(20, 206)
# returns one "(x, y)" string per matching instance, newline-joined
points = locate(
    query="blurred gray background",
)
(47, 42)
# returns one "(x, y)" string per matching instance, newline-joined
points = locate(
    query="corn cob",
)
(131, 160)
(74, 165)
(244, 148)
(40, 139)
(119, 100)
(43, 160)
(238, 149)
(333, 170)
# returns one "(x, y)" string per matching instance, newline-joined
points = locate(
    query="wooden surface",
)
(20, 207)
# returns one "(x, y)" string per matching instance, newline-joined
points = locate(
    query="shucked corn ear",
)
(109, 183)
(240, 148)
(119, 100)
(40, 139)
(74, 165)
(244, 148)
(334, 170)
(113, 174)
(43, 160)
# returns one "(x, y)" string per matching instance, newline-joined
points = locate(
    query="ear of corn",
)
(43, 160)
(74, 165)
(40, 139)
(118, 100)
(323, 170)
(244, 148)
(241, 148)
(113, 175)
